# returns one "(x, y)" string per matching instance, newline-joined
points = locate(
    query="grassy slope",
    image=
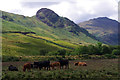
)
(15, 44)
(43, 30)
(18, 44)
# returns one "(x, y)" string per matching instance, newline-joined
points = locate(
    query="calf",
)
(12, 68)
(80, 64)
(26, 66)
(55, 64)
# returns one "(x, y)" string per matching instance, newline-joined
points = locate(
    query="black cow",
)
(32, 65)
(64, 63)
(12, 68)
(41, 64)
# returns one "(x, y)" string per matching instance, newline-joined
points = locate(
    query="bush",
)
(82, 50)
(59, 58)
(116, 52)
(85, 56)
(110, 56)
(10, 58)
(92, 49)
(105, 50)
(61, 52)
(52, 58)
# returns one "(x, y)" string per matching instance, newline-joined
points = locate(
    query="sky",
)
(75, 10)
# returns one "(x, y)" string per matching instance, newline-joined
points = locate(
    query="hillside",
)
(24, 33)
(105, 29)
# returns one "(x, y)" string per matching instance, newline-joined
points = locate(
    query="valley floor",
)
(100, 68)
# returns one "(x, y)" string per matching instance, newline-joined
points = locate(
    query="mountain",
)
(50, 18)
(23, 33)
(105, 29)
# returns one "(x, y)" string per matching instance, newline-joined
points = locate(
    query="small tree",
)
(99, 48)
(92, 49)
(82, 50)
(105, 50)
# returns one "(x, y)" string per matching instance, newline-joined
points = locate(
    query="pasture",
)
(96, 69)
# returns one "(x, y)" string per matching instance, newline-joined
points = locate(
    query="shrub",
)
(105, 50)
(86, 56)
(52, 58)
(10, 58)
(81, 50)
(110, 56)
(116, 52)
(92, 49)
(61, 52)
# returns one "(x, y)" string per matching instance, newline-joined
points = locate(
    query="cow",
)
(64, 63)
(26, 66)
(80, 64)
(12, 68)
(55, 64)
(83, 64)
(41, 64)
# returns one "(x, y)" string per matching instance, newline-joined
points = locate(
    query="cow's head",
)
(76, 63)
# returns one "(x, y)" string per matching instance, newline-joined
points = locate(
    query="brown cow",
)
(26, 66)
(83, 64)
(55, 64)
(80, 64)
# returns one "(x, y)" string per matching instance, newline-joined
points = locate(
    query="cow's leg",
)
(39, 68)
(55, 67)
(62, 67)
(68, 66)
(59, 67)
(47, 68)
(65, 66)
(52, 67)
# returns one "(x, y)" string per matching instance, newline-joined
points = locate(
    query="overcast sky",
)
(75, 10)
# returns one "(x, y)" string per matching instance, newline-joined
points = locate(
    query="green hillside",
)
(18, 37)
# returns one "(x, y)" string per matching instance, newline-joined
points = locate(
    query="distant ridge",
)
(105, 29)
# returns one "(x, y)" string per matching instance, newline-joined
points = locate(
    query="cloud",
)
(38, 4)
(83, 10)
(76, 10)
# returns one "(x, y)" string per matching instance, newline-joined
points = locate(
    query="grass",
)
(24, 45)
(95, 69)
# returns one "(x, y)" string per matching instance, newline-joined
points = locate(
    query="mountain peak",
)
(102, 19)
(104, 28)
(47, 16)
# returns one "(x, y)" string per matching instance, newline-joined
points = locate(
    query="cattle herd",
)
(46, 65)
